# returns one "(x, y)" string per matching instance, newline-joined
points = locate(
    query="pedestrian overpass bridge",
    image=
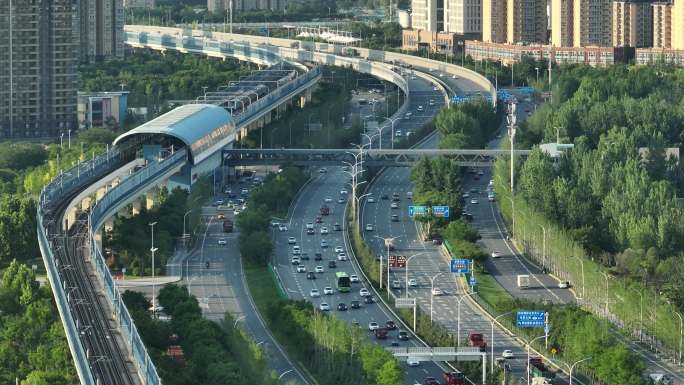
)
(371, 157)
(177, 148)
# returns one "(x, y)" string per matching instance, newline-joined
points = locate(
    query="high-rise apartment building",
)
(592, 23)
(139, 3)
(677, 38)
(38, 58)
(526, 21)
(463, 17)
(561, 23)
(427, 15)
(101, 30)
(632, 24)
(494, 15)
(662, 25)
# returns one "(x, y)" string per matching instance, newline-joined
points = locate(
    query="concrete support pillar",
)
(136, 207)
(149, 198)
(267, 118)
(71, 216)
(100, 193)
(98, 238)
(243, 132)
(85, 203)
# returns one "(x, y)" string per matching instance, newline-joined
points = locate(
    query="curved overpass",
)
(108, 348)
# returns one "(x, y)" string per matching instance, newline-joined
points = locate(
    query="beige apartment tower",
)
(427, 15)
(677, 39)
(592, 23)
(662, 25)
(463, 17)
(494, 15)
(632, 24)
(561, 23)
(526, 21)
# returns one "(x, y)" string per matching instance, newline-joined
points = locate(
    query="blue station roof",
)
(199, 126)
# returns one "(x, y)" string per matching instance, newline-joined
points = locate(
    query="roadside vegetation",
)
(210, 353)
(608, 206)
(332, 351)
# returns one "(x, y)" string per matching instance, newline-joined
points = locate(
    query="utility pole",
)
(153, 249)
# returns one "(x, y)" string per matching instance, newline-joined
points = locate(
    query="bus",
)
(342, 282)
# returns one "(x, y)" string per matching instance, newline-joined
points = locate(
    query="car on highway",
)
(344, 192)
(496, 254)
(319, 219)
(221, 216)
(324, 230)
(369, 299)
(364, 292)
(437, 291)
(371, 200)
(563, 285)
(396, 284)
(342, 306)
(430, 381)
(319, 269)
(397, 133)
(318, 256)
(218, 202)
(341, 256)
(491, 182)
(507, 354)
(474, 201)
(372, 326)
(222, 242)
(282, 228)
(384, 197)
(420, 108)
(394, 218)
(431, 102)
(332, 265)
(355, 304)
(480, 172)
(295, 260)
(291, 240)
(394, 205)
(296, 250)
(403, 335)
(466, 195)
(412, 361)
(324, 306)
(491, 197)
(327, 200)
(341, 201)
(390, 325)
(328, 290)
(275, 223)
(324, 243)
(304, 256)
(369, 227)
(354, 278)
(337, 227)
(301, 269)
(322, 170)
(314, 293)
(338, 249)
(310, 275)
(310, 231)
(412, 282)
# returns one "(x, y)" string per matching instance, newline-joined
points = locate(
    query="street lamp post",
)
(492, 339)
(528, 356)
(153, 249)
(511, 134)
(387, 244)
(537, 69)
(185, 235)
(641, 314)
(681, 323)
(69, 134)
(582, 266)
(543, 246)
(459, 299)
(392, 128)
(572, 367)
(432, 289)
(406, 269)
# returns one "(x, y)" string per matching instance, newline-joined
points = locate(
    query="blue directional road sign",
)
(440, 211)
(417, 210)
(530, 318)
(473, 281)
(460, 265)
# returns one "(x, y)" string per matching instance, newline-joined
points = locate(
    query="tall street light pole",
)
(582, 266)
(185, 235)
(153, 249)
(528, 356)
(543, 246)
(572, 367)
(492, 339)
(432, 289)
(406, 269)
(641, 314)
(511, 135)
(387, 245)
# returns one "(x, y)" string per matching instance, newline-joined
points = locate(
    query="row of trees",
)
(213, 353)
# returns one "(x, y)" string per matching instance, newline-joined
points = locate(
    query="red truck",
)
(325, 210)
(381, 333)
(453, 378)
(477, 339)
(227, 226)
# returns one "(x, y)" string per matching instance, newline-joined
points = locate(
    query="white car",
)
(371, 200)
(324, 307)
(369, 227)
(328, 199)
(507, 354)
(338, 249)
(275, 224)
(344, 192)
(222, 242)
(364, 292)
(295, 260)
(412, 361)
(341, 256)
(322, 170)
(394, 205)
(314, 293)
(319, 269)
(291, 240)
(372, 326)
(420, 108)
(282, 228)
(324, 230)
(563, 285)
(296, 250)
(491, 197)
(412, 282)
(324, 243)
(491, 182)
(437, 291)
(466, 195)
(496, 254)
(341, 201)
(474, 201)
(328, 290)
(301, 269)
(354, 278)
